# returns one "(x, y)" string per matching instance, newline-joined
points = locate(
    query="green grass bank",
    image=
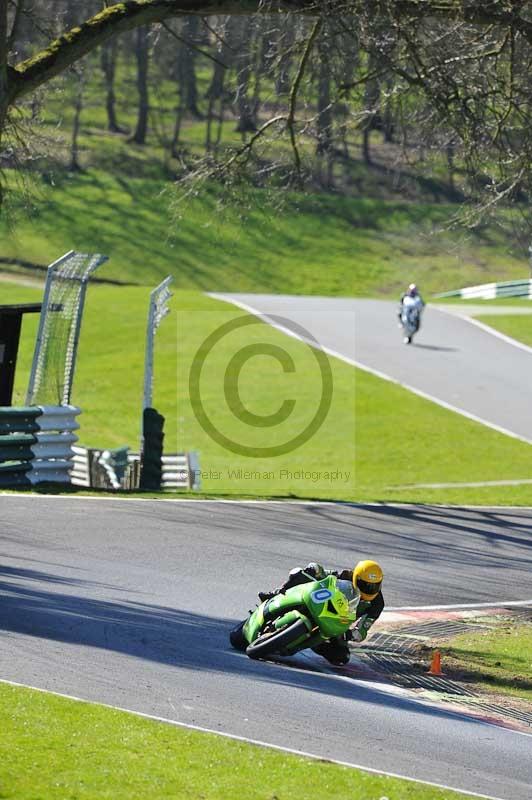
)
(518, 327)
(55, 748)
(359, 453)
(321, 244)
(497, 659)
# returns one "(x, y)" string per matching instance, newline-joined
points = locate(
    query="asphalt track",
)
(451, 359)
(130, 603)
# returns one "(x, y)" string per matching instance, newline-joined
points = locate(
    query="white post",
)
(158, 310)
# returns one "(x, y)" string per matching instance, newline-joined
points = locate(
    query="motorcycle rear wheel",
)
(269, 644)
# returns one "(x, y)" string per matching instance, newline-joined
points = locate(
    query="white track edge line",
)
(266, 318)
(249, 501)
(461, 485)
(260, 501)
(501, 604)
(257, 742)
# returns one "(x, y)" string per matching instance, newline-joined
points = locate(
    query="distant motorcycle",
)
(410, 318)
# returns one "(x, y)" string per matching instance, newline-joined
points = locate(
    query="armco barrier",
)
(491, 291)
(180, 471)
(18, 428)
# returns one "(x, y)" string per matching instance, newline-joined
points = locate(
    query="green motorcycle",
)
(304, 616)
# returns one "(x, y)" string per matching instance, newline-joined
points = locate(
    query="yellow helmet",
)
(367, 579)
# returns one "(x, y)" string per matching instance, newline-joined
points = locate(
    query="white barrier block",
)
(58, 418)
(57, 438)
(54, 448)
(488, 291)
(44, 451)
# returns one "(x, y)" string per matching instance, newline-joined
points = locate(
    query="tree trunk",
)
(371, 104)
(449, 152)
(324, 120)
(216, 90)
(16, 24)
(108, 63)
(75, 166)
(187, 67)
(4, 98)
(388, 115)
(142, 56)
(4, 47)
(246, 119)
(221, 119)
(180, 110)
(258, 70)
(284, 44)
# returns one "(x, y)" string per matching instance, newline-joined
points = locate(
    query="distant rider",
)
(367, 579)
(411, 298)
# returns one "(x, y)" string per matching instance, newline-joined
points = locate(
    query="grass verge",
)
(361, 452)
(498, 659)
(55, 748)
(518, 327)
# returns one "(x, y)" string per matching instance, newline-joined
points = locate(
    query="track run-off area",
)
(130, 602)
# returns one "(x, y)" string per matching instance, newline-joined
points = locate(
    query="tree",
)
(4, 67)
(143, 108)
(109, 53)
(80, 73)
(466, 62)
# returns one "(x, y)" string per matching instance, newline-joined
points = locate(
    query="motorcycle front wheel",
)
(269, 644)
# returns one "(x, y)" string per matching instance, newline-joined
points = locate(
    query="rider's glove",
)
(315, 570)
(360, 629)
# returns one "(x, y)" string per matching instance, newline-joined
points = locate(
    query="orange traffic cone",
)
(435, 664)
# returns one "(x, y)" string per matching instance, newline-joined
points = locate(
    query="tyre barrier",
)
(36, 444)
(151, 469)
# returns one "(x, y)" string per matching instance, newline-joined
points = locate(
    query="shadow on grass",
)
(126, 216)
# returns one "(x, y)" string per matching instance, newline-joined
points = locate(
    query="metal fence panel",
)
(57, 340)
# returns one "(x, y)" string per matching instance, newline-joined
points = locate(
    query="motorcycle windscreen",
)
(350, 593)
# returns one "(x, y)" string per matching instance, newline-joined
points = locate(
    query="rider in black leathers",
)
(367, 578)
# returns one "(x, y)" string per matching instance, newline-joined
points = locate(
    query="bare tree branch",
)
(25, 77)
(192, 46)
